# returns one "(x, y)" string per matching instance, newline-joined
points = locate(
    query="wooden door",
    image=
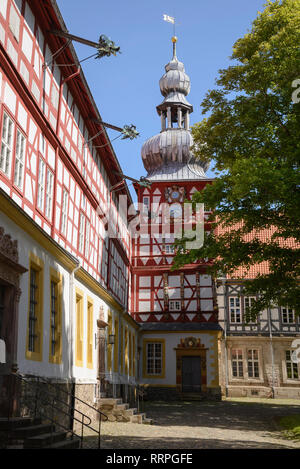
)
(191, 374)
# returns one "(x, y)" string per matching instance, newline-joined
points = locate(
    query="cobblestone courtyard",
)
(240, 423)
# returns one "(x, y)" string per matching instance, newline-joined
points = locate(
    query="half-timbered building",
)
(175, 308)
(88, 295)
(64, 282)
(257, 357)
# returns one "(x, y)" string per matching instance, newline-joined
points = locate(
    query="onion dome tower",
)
(168, 156)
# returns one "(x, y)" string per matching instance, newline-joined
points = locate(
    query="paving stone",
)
(195, 425)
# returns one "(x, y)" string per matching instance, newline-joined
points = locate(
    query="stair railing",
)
(48, 399)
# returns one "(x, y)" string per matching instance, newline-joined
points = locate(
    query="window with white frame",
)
(235, 309)
(292, 371)
(146, 205)
(237, 363)
(253, 363)
(104, 265)
(41, 185)
(64, 212)
(20, 160)
(169, 249)
(49, 194)
(287, 315)
(81, 232)
(6, 144)
(87, 238)
(248, 303)
(14, 22)
(174, 305)
(175, 211)
(154, 358)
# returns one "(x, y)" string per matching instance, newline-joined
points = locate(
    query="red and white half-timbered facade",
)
(175, 308)
(68, 284)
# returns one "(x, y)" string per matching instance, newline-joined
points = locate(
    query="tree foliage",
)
(252, 133)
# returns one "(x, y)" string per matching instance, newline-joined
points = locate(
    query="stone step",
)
(192, 396)
(130, 412)
(31, 430)
(66, 444)
(138, 418)
(110, 401)
(17, 422)
(122, 406)
(117, 411)
(45, 439)
(147, 421)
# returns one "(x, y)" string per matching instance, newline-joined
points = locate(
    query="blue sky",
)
(125, 87)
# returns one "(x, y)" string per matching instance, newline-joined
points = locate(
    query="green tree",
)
(252, 133)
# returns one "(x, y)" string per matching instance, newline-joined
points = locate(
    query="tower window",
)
(175, 305)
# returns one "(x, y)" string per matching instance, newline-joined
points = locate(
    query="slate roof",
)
(178, 326)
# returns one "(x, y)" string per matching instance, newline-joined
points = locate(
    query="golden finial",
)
(174, 40)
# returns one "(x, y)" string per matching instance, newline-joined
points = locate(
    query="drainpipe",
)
(272, 352)
(225, 334)
(71, 315)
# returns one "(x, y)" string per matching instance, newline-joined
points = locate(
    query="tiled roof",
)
(264, 236)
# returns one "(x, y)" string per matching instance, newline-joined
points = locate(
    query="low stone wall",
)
(263, 391)
(86, 394)
(49, 401)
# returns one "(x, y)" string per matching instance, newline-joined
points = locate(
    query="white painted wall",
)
(43, 368)
(171, 341)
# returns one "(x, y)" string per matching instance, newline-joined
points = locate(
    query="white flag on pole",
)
(170, 19)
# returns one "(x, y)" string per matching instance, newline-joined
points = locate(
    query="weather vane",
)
(170, 19)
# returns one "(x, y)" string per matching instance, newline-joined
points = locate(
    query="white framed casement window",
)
(6, 144)
(41, 185)
(288, 315)
(248, 302)
(169, 249)
(87, 238)
(146, 205)
(14, 22)
(176, 211)
(42, 144)
(20, 160)
(154, 358)
(174, 305)
(64, 212)
(85, 160)
(292, 369)
(253, 363)
(81, 233)
(237, 364)
(235, 309)
(104, 259)
(49, 194)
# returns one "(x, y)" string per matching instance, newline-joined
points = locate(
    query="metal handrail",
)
(54, 400)
(49, 383)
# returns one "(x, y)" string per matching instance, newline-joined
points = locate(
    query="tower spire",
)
(174, 40)
(168, 154)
